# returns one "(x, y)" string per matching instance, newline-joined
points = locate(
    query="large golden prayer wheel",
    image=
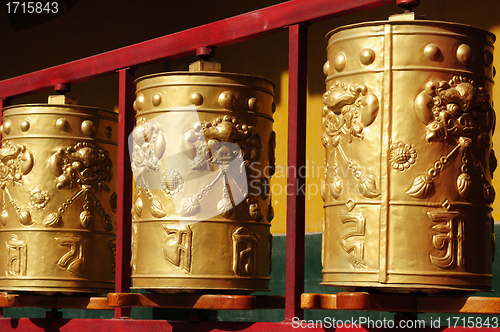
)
(407, 125)
(202, 157)
(58, 198)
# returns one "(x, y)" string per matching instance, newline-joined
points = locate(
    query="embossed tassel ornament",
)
(58, 198)
(202, 156)
(407, 125)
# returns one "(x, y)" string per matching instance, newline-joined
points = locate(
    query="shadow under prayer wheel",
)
(202, 155)
(58, 198)
(407, 125)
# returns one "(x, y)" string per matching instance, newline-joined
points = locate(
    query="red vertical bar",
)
(4, 102)
(124, 186)
(295, 229)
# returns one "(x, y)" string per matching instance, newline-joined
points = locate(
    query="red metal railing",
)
(294, 15)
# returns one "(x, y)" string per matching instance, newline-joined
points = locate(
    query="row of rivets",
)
(226, 100)
(464, 55)
(62, 124)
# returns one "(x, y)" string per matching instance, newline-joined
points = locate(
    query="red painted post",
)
(295, 229)
(124, 186)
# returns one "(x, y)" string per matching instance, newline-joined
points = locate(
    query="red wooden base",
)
(402, 303)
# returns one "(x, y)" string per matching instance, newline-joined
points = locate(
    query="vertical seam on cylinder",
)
(385, 140)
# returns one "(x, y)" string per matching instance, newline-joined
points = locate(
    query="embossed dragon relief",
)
(224, 147)
(348, 110)
(84, 166)
(457, 112)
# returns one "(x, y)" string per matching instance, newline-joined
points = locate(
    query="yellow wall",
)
(495, 28)
(95, 26)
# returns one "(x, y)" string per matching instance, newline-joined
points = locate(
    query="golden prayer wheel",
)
(58, 198)
(407, 125)
(202, 157)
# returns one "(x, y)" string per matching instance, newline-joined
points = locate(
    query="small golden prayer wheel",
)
(407, 125)
(58, 198)
(202, 156)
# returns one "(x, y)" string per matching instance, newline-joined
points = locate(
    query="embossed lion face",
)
(82, 164)
(90, 165)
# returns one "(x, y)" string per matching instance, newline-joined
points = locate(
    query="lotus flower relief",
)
(190, 207)
(53, 220)
(254, 209)
(157, 209)
(488, 193)
(86, 219)
(367, 187)
(336, 187)
(4, 217)
(137, 208)
(463, 184)
(225, 207)
(422, 187)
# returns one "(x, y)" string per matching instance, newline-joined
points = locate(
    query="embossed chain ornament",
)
(210, 146)
(348, 110)
(87, 167)
(149, 147)
(215, 145)
(456, 110)
(15, 162)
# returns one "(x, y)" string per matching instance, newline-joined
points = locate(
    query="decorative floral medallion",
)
(172, 182)
(39, 198)
(401, 156)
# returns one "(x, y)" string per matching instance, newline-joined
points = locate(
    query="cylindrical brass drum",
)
(58, 198)
(202, 157)
(407, 124)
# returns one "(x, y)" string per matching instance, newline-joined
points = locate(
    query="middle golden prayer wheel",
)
(202, 156)
(407, 127)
